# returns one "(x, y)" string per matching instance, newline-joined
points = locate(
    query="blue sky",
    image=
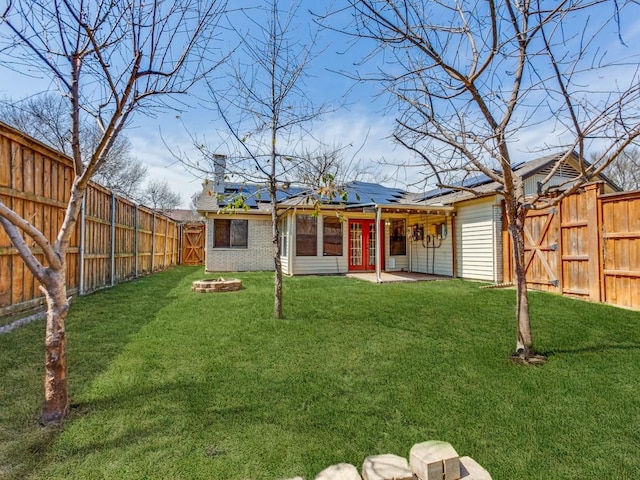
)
(361, 124)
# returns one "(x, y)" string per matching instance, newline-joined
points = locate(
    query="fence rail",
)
(114, 240)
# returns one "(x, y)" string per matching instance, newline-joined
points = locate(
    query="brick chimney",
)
(219, 171)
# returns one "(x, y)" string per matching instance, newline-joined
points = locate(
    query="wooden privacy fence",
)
(587, 246)
(114, 239)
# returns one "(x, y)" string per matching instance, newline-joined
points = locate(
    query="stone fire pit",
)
(211, 285)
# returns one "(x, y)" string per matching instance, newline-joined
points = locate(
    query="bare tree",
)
(46, 118)
(470, 78)
(265, 109)
(157, 194)
(624, 170)
(321, 166)
(109, 58)
(120, 172)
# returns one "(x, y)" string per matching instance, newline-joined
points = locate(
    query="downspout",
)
(82, 243)
(378, 250)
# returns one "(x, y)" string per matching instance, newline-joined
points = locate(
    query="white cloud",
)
(149, 147)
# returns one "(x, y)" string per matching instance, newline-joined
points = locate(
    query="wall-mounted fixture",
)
(441, 231)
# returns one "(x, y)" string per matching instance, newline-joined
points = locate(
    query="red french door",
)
(362, 245)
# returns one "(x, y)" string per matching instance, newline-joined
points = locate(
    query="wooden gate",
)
(193, 243)
(541, 258)
(562, 247)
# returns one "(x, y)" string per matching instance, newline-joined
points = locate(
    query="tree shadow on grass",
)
(147, 419)
(101, 325)
(592, 349)
(98, 328)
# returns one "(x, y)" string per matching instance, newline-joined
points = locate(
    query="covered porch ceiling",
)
(407, 209)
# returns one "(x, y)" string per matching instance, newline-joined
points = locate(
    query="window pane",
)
(372, 244)
(332, 236)
(230, 233)
(284, 230)
(239, 230)
(355, 244)
(221, 233)
(306, 236)
(398, 240)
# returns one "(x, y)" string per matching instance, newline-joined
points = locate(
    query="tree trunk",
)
(524, 342)
(277, 263)
(56, 402)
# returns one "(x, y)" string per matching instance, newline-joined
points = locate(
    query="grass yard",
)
(169, 384)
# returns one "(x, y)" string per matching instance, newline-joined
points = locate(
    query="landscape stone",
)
(451, 468)
(341, 471)
(386, 467)
(471, 470)
(428, 460)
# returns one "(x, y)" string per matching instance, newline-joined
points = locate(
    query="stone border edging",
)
(432, 460)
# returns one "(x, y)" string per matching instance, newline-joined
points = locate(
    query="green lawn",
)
(171, 384)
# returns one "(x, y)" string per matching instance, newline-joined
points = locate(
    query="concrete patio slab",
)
(387, 277)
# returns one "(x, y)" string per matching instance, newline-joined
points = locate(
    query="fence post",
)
(178, 244)
(113, 238)
(556, 225)
(592, 193)
(82, 235)
(153, 242)
(136, 232)
(166, 240)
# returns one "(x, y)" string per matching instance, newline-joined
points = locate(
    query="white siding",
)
(476, 231)
(257, 256)
(531, 183)
(431, 255)
(497, 243)
(318, 264)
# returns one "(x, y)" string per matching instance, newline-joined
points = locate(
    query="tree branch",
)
(12, 222)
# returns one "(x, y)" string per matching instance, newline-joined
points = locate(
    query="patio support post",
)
(454, 247)
(292, 250)
(378, 249)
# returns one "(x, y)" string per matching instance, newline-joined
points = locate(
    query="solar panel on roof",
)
(356, 193)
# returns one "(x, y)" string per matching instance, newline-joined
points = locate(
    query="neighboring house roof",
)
(183, 215)
(483, 185)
